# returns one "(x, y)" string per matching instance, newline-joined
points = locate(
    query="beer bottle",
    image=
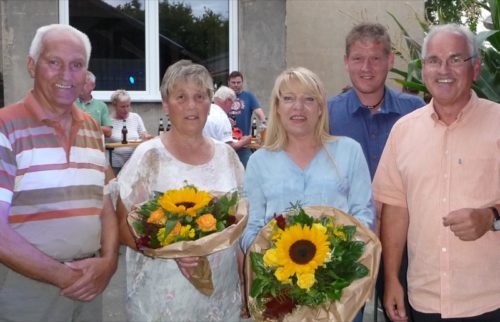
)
(161, 129)
(168, 124)
(254, 128)
(124, 132)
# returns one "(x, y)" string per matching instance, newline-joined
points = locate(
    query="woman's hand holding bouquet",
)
(187, 223)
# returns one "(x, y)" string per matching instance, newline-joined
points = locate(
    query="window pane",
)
(197, 30)
(116, 31)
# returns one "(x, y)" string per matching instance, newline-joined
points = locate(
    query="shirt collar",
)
(465, 112)
(386, 107)
(41, 114)
(85, 103)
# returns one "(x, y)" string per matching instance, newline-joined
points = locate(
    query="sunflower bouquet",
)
(302, 263)
(189, 222)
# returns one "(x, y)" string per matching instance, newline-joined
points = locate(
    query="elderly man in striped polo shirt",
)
(58, 231)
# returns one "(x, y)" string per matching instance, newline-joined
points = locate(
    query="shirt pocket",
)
(477, 179)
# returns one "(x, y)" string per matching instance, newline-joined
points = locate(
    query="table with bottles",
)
(113, 145)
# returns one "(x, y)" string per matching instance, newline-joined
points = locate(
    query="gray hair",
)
(184, 71)
(37, 42)
(224, 93)
(120, 95)
(454, 28)
(90, 76)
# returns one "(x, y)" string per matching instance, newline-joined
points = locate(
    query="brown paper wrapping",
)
(353, 297)
(201, 276)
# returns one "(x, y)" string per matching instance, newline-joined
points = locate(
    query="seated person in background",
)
(96, 108)
(121, 115)
(218, 125)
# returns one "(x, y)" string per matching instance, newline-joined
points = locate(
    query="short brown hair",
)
(235, 74)
(368, 31)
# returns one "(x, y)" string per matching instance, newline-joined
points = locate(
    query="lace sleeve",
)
(138, 177)
(239, 170)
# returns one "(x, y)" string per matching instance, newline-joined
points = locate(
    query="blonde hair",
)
(276, 136)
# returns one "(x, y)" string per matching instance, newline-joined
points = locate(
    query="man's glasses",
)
(452, 61)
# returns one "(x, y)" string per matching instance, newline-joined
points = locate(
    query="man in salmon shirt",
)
(58, 230)
(439, 182)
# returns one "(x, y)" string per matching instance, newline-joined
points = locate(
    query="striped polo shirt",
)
(56, 196)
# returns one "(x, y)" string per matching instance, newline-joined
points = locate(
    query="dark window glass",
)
(196, 30)
(116, 31)
(188, 29)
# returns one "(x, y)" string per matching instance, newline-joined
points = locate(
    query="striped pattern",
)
(44, 184)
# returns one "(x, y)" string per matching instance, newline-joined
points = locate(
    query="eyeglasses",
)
(452, 61)
(290, 100)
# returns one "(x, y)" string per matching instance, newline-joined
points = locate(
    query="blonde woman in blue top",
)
(301, 161)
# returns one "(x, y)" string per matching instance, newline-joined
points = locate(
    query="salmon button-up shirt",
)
(432, 169)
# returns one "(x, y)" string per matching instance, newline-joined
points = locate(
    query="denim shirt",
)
(337, 178)
(371, 130)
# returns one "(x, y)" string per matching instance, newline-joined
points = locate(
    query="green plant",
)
(488, 83)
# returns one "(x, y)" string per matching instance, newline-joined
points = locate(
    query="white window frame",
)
(152, 91)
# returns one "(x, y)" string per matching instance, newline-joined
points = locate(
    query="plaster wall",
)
(273, 35)
(20, 19)
(316, 31)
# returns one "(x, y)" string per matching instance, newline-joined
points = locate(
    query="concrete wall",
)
(262, 45)
(273, 34)
(20, 19)
(316, 31)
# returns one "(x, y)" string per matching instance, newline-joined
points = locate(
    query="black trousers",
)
(493, 316)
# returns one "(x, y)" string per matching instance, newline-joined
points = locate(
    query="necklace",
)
(374, 106)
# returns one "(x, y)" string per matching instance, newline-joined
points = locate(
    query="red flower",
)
(281, 222)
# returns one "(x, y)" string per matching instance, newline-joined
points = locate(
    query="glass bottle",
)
(161, 129)
(168, 124)
(254, 128)
(262, 131)
(124, 132)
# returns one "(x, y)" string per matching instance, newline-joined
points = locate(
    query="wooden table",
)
(114, 145)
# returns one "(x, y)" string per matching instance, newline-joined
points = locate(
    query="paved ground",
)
(114, 298)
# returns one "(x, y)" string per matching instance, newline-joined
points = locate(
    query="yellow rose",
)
(283, 275)
(305, 281)
(270, 259)
(207, 222)
(157, 217)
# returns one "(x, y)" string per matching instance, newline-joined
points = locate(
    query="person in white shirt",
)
(218, 125)
(136, 131)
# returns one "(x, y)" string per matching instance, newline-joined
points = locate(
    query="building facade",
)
(266, 37)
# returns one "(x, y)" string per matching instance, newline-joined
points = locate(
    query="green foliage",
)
(153, 234)
(488, 84)
(204, 37)
(330, 279)
(459, 11)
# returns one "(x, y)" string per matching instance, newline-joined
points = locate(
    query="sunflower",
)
(186, 201)
(300, 250)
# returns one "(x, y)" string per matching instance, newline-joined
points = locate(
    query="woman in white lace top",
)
(156, 288)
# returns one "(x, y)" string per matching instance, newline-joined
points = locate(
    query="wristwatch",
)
(496, 223)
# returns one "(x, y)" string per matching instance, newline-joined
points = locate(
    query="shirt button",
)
(443, 249)
(444, 199)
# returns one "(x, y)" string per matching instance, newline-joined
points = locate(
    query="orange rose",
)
(157, 217)
(207, 222)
